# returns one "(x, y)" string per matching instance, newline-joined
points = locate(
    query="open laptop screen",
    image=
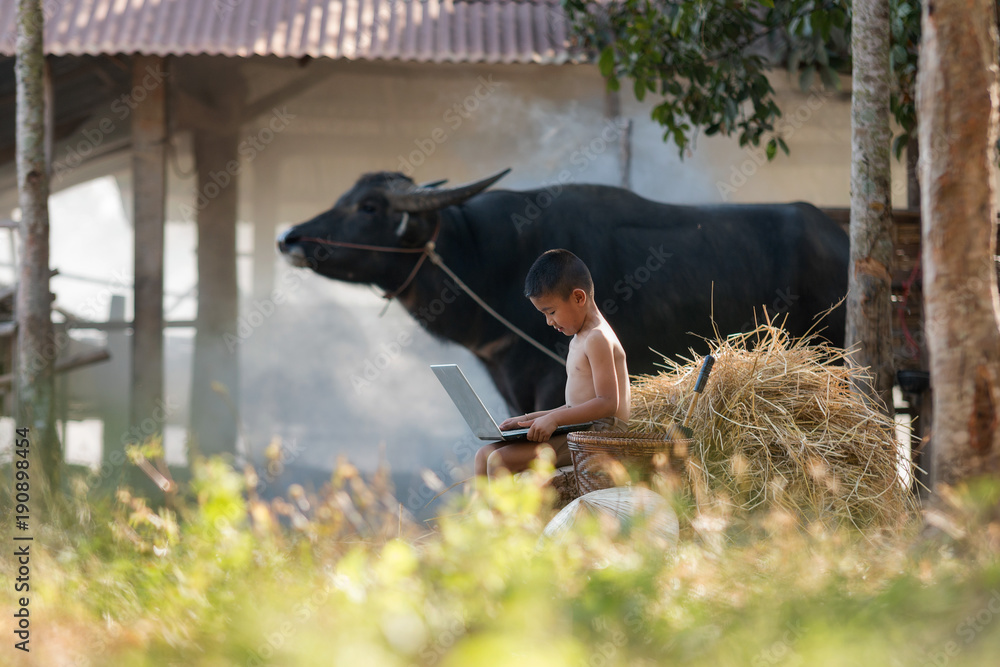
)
(476, 415)
(467, 401)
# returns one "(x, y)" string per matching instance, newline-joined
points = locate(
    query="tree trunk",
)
(37, 347)
(957, 111)
(869, 307)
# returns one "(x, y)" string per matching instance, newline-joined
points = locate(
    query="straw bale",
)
(778, 426)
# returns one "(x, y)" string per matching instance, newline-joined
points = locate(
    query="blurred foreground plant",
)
(344, 576)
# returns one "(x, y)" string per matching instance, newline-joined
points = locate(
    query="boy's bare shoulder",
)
(603, 336)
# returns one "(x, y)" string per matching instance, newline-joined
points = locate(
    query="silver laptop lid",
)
(467, 402)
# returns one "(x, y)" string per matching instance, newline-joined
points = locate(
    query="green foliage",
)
(708, 60)
(225, 578)
(903, 58)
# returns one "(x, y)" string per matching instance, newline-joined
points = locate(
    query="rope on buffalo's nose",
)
(428, 251)
(436, 259)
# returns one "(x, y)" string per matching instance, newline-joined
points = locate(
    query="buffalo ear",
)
(405, 226)
(411, 230)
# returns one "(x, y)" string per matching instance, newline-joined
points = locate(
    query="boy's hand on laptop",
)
(514, 422)
(541, 429)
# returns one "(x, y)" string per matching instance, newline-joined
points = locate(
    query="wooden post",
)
(37, 347)
(149, 134)
(625, 155)
(116, 419)
(612, 112)
(215, 373)
(265, 221)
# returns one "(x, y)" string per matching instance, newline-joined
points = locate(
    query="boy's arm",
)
(519, 421)
(600, 354)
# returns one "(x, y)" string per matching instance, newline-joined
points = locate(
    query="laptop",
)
(476, 415)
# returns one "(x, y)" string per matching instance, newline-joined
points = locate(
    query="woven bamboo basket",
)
(602, 458)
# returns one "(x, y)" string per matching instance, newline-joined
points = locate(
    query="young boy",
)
(560, 287)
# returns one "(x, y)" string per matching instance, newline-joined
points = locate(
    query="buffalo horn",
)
(434, 184)
(418, 200)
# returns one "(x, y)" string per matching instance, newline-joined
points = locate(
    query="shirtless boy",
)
(597, 389)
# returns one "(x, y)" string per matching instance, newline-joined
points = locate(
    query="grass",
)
(224, 578)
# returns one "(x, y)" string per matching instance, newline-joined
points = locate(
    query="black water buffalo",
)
(657, 268)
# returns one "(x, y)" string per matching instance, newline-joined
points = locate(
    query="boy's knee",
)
(495, 463)
(546, 453)
(482, 457)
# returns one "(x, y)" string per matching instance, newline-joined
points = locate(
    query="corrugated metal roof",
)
(490, 31)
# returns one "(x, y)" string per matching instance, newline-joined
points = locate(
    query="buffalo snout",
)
(289, 246)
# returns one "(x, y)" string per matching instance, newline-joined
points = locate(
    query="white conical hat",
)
(620, 504)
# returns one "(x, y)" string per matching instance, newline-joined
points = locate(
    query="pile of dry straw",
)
(777, 426)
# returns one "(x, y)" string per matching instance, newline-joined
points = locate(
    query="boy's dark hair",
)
(558, 272)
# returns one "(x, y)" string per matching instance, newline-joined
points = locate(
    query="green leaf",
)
(676, 23)
(899, 145)
(771, 150)
(640, 89)
(822, 57)
(783, 145)
(613, 84)
(830, 78)
(806, 78)
(820, 22)
(898, 55)
(767, 3)
(794, 59)
(607, 62)
(731, 109)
